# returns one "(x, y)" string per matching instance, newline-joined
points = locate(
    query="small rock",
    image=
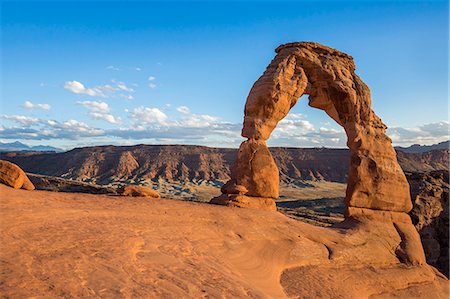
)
(137, 191)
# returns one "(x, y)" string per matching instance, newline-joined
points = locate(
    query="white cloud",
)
(152, 85)
(104, 116)
(111, 67)
(183, 109)
(198, 121)
(21, 119)
(96, 106)
(128, 97)
(103, 91)
(79, 88)
(120, 86)
(151, 78)
(293, 125)
(39, 129)
(100, 111)
(148, 115)
(137, 69)
(426, 134)
(30, 105)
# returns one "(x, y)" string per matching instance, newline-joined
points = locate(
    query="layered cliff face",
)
(105, 164)
(430, 194)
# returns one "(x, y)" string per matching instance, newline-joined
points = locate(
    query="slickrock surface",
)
(11, 175)
(80, 245)
(137, 191)
(430, 193)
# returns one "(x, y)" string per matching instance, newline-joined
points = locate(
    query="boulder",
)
(13, 176)
(137, 191)
(243, 201)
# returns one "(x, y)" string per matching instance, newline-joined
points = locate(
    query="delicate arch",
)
(375, 179)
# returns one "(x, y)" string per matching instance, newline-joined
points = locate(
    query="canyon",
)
(112, 164)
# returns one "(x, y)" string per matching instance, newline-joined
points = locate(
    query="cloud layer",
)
(30, 105)
(153, 123)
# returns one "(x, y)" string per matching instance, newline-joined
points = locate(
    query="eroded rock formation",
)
(430, 194)
(11, 175)
(137, 191)
(377, 188)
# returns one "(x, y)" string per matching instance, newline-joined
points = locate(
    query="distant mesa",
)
(121, 164)
(417, 148)
(11, 175)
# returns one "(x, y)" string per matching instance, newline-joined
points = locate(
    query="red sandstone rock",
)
(377, 189)
(328, 76)
(255, 175)
(231, 188)
(133, 190)
(256, 170)
(243, 201)
(11, 175)
(409, 250)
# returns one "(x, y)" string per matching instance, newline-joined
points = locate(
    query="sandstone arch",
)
(377, 189)
(375, 179)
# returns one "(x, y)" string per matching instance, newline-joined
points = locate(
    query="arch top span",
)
(375, 179)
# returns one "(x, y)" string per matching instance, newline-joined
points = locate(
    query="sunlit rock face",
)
(376, 180)
(377, 188)
(13, 176)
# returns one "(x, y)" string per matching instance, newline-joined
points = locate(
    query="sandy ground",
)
(97, 246)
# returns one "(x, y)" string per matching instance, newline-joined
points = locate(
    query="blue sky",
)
(86, 73)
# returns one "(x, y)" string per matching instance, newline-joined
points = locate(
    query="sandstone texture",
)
(430, 215)
(377, 189)
(11, 175)
(75, 245)
(137, 191)
(375, 179)
(243, 201)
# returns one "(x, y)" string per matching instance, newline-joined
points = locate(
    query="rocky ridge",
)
(109, 164)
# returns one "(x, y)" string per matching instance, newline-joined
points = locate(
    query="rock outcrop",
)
(377, 189)
(77, 245)
(56, 184)
(137, 191)
(430, 215)
(11, 175)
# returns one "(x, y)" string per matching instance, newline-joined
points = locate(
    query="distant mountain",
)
(417, 148)
(140, 163)
(21, 147)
